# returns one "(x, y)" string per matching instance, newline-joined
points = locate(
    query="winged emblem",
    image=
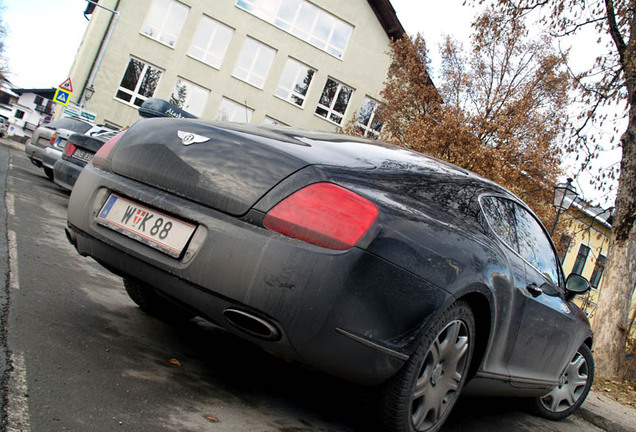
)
(188, 138)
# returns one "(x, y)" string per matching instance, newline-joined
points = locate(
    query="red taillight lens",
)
(100, 160)
(323, 214)
(53, 138)
(69, 149)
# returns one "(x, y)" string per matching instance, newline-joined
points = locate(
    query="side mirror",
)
(576, 284)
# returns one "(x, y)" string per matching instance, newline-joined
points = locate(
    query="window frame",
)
(250, 71)
(294, 24)
(134, 94)
(367, 130)
(330, 111)
(211, 40)
(582, 263)
(189, 84)
(236, 105)
(291, 92)
(560, 275)
(165, 18)
(598, 272)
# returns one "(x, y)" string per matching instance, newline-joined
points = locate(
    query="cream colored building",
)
(311, 64)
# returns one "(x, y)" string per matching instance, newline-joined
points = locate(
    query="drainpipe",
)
(102, 50)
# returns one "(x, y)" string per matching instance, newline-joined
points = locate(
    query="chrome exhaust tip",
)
(252, 324)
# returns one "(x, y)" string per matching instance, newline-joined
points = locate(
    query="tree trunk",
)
(612, 316)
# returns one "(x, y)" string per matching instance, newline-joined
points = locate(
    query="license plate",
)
(82, 155)
(148, 226)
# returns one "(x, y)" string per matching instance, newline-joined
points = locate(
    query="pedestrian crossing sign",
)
(62, 96)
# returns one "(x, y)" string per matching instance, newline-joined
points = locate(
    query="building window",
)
(210, 42)
(234, 112)
(294, 82)
(305, 21)
(19, 114)
(597, 274)
(581, 257)
(367, 123)
(189, 97)
(333, 101)
(253, 63)
(165, 20)
(272, 121)
(139, 82)
(39, 100)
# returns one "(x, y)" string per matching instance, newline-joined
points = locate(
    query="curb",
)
(607, 414)
(7, 142)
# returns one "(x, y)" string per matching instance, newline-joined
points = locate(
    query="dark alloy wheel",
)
(421, 395)
(149, 301)
(574, 385)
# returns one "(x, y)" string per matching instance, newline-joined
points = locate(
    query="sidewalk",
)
(607, 414)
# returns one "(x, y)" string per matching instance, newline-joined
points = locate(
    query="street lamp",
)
(89, 92)
(564, 196)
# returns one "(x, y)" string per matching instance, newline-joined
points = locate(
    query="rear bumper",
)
(348, 313)
(50, 155)
(66, 173)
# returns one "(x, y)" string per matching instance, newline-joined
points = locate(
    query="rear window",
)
(71, 124)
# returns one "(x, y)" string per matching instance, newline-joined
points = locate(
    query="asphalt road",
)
(85, 358)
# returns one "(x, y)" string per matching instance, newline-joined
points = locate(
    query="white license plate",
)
(82, 155)
(155, 229)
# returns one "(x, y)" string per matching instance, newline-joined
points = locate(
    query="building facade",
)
(294, 62)
(25, 108)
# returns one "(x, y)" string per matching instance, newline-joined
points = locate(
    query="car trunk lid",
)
(225, 169)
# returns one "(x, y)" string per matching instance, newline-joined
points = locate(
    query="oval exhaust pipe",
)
(252, 324)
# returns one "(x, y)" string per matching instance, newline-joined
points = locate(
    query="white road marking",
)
(18, 408)
(10, 202)
(14, 284)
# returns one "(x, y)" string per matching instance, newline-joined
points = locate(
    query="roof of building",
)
(599, 214)
(388, 18)
(47, 93)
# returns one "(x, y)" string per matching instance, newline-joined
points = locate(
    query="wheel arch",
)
(482, 312)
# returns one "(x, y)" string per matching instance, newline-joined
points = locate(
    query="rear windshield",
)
(71, 124)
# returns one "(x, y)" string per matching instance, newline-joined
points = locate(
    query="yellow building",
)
(588, 231)
(587, 240)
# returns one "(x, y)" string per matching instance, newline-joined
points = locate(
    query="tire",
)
(422, 394)
(49, 173)
(575, 384)
(150, 302)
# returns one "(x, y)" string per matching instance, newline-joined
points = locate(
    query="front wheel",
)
(574, 385)
(421, 395)
(49, 173)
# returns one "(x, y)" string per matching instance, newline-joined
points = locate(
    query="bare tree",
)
(610, 81)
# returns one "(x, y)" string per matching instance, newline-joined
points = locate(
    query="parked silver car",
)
(54, 151)
(42, 138)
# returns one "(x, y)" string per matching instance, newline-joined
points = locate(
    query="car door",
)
(545, 339)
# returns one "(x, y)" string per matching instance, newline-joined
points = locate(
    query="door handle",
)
(534, 289)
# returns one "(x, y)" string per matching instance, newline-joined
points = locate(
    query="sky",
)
(43, 37)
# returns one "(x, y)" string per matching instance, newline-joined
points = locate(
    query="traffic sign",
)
(90, 116)
(66, 85)
(62, 96)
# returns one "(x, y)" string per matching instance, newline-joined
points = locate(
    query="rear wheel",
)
(574, 385)
(49, 173)
(421, 395)
(149, 301)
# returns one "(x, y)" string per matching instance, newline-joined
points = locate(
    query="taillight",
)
(69, 149)
(323, 214)
(53, 138)
(100, 160)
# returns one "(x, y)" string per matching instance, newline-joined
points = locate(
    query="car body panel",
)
(68, 168)
(42, 136)
(357, 313)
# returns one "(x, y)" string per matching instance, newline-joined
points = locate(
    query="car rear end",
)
(263, 234)
(78, 151)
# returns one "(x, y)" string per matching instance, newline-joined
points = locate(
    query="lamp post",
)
(89, 92)
(564, 196)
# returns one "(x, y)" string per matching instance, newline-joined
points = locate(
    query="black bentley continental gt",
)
(367, 261)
